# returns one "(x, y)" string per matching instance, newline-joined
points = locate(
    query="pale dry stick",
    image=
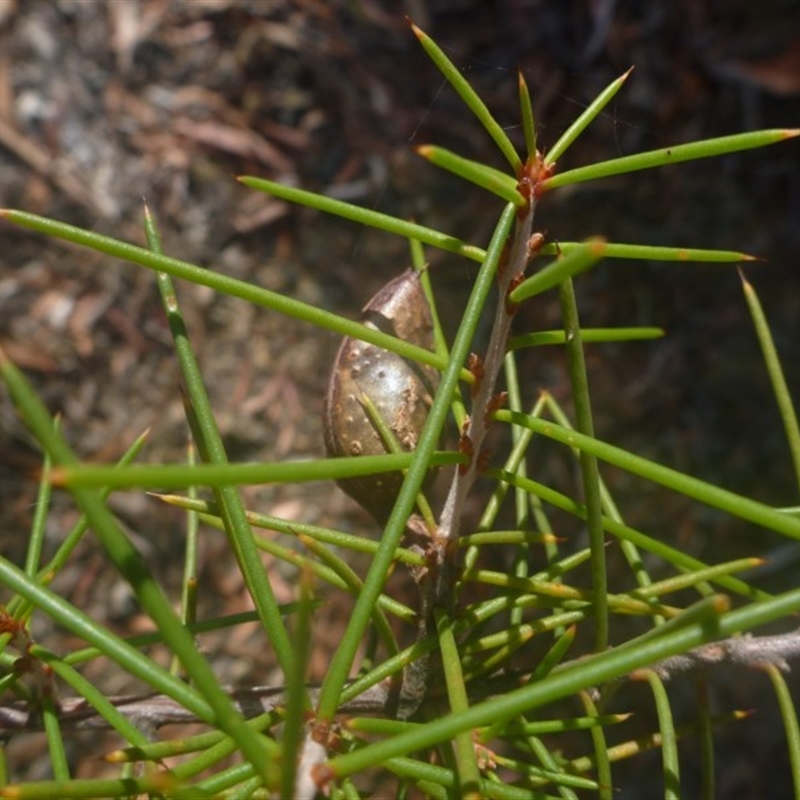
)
(747, 650)
(150, 712)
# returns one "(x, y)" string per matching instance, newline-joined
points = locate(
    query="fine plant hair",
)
(468, 708)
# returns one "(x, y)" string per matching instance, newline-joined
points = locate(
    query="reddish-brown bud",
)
(476, 366)
(466, 447)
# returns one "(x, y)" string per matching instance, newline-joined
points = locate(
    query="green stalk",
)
(562, 725)
(55, 739)
(167, 476)
(522, 553)
(589, 469)
(93, 696)
(789, 717)
(211, 753)
(555, 655)
(326, 535)
(466, 763)
(365, 216)
(776, 376)
(493, 180)
(587, 335)
(225, 780)
(669, 155)
(646, 252)
(652, 741)
(571, 596)
(578, 260)
(157, 784)
(158, 751)
(526, 112)
(711, 495)
(600, 745)
(189, 578)
(580, 124)
(211, 447)
(33, 556)
(679, 582)
(669, 741)
(296, 693)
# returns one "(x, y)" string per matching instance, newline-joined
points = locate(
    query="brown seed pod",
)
(401, 390)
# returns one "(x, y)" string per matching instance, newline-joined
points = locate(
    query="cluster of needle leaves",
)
(463, 711)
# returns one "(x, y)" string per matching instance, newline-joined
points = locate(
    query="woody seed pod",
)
(400, 390)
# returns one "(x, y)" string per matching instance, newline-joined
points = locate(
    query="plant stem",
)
(477, 424)
(589, 470)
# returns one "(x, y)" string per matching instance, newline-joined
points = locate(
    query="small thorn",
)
(418, 32)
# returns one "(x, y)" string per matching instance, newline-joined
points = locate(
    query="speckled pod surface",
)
(401, 390)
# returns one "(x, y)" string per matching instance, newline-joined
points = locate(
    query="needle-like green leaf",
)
(669, 155)
(226, 285)
(714, 496)
(526, 110)
(776, 375)
(578, 260)
(469, 96)
(181, 477)
(580, 124)
(647, 252)
(500, 183)
(365, 216)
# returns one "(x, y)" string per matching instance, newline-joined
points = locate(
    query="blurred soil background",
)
(103, 104)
